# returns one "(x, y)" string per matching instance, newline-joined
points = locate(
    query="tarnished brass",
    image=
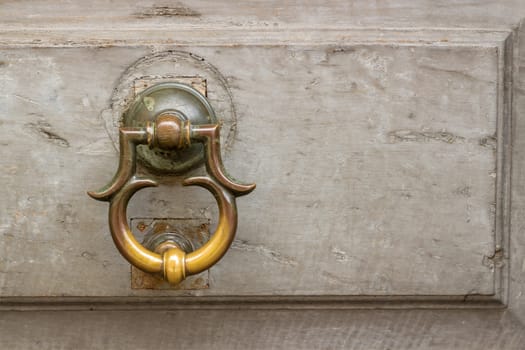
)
(170, 98)
(171, 130)
(160, 234)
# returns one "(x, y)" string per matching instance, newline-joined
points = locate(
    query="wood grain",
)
(291, 14)
(242, 329)
(517, 237)
(386, 138)
(376, 168)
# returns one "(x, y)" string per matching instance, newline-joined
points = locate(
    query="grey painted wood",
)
(376, 168)
(275, 14)
(242, 329)
(379, 134)
(517, 236)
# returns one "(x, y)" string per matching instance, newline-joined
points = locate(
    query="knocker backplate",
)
(185, 98)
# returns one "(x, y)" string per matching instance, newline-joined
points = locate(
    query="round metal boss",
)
(175, 98)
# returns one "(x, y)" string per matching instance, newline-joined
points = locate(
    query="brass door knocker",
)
(171, 116)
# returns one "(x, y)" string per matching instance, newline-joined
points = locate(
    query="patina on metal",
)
(189, 106)
(159, 120)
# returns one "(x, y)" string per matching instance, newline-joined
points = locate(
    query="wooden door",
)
(385, 138)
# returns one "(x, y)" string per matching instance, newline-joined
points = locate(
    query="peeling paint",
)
(26, 99)
(489, 142)
(88, 255)
(273, 255)
(336, 279)
(463, 191)
(423, 136)
(174, 10)
(495, 260)
(340, 255)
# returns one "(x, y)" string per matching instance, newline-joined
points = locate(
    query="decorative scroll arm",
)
(129, 138)
(210, 136)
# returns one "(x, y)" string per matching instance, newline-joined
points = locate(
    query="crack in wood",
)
(43, 128)
(174, 10)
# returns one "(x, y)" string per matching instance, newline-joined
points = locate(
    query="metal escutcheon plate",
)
(178, 98)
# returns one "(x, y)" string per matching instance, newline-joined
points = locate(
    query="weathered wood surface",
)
(376, 167)
(376, 131)
(517, 235)
(249, 329)
(274, 14)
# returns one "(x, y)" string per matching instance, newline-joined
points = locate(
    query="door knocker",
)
(171, 117)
